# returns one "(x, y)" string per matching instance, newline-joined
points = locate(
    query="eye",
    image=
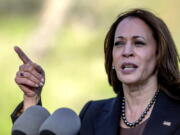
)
(117, 43)
(139, 43)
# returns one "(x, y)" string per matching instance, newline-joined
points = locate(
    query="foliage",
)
(74, 65)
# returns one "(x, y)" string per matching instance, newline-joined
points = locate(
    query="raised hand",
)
(30, 78)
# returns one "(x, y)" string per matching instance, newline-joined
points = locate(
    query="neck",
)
(138, 96)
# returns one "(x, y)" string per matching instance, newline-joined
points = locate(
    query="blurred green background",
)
(66, 38)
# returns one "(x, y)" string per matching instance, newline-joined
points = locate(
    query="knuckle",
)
(26, 74)
(39, 76)
(35, 73)
(17, 73)
(38, 67)
(30, 68)
(31, 77)
(34, 64)
(28, 64)
(43, 73)
(16, 79)
(21, 67)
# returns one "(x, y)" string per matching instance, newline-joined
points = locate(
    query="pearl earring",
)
(113, 67)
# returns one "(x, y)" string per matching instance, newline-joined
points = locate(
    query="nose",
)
(128, 50)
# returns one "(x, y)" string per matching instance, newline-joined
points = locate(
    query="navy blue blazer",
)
(103, 117)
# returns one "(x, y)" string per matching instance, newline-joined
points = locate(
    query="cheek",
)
(149, 62)
(115, 56)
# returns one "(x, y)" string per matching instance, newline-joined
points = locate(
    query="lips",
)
(128, 67)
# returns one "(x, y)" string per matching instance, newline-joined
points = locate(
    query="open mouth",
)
(128, 67)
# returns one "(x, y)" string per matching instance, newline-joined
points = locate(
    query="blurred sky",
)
(66, 38)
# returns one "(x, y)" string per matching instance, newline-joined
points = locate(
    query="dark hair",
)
(167, 55)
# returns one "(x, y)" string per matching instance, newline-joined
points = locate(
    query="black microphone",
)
(63, 121)
(30, 121)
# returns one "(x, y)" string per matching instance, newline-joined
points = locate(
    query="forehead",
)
(132, 26)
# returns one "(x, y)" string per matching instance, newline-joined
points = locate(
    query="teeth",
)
(128, 66)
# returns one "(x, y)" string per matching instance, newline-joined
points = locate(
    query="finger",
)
(25, 81)
(30, 68)
(38, 76)
(22, 55)
(38, 68)
(29, 76)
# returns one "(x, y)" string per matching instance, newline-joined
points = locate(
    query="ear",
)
(113, 63)
(113, 66)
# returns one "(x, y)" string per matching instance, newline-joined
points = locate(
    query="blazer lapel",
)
(110, 118)
(160, 122)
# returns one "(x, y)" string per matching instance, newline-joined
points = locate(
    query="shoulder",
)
(168, 106)
(165, 116)
(168, 101)
(93, 112)
(93, 107)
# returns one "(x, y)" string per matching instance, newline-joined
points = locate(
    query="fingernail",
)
(42, 80)
(37, 85)
(41, 84)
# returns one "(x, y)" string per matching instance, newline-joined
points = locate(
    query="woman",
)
(141, 62)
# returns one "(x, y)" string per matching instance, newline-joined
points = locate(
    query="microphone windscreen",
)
(63, 121)
(30, 121)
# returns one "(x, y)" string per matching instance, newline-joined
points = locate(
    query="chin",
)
(130, 80)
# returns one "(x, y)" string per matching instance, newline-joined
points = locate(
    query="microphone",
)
(30, 121)
(63, 121)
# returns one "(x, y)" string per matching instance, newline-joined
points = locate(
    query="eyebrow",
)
(139, 37)
(121, 37)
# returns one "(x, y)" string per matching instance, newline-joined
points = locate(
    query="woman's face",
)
(134, 51)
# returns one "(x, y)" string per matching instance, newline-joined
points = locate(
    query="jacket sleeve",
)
(17, 112)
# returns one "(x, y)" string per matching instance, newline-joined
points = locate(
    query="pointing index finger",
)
(22, 55)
